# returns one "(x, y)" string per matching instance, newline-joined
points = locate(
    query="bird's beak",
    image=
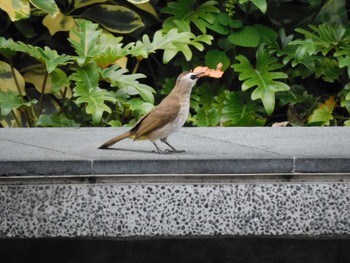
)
(200, 74)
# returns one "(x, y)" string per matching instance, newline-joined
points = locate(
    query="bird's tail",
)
(115, 140)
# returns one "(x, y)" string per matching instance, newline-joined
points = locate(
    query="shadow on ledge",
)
(177, 250)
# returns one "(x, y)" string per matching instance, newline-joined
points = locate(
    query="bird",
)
(166, 118)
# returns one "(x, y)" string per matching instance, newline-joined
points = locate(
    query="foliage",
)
(107, 62)
(60, 13)
(96, 82)
(263, 77)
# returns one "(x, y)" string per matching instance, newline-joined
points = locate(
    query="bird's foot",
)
(174, 151)
(168, 151)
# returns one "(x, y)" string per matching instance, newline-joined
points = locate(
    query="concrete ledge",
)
(231, 181)
(208, 151)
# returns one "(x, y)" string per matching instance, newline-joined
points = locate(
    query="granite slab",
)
(53, 151)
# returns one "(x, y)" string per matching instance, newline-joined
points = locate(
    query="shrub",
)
(102, 63)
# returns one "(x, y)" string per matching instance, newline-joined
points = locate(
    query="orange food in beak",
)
(208, 72)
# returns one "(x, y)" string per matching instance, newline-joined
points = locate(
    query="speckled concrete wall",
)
(174, 209)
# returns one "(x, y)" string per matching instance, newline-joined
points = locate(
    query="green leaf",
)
(324, 38)
(224, 19)
(267, 35)
(220, 24)
(49, 57)
(115, 123)
(83, 3)
(110, 50)
(214, 57)
(10, 101)
(91, 43)
(25, 28)
(116, 76)
(236, 23)
(115, 18)
(206, 117)
(248, 36)
(186, 10)
(296, 95)
(136, 104)
(171, 42)
(87, 92)
(333, 11)
(327, 68)
(323, 114)
(239, 111)
(48, 6)
(262, 77)
(45, 120)
(261, 4)
(52, 59)
(207, 102)
(84, 39)
(5, 47)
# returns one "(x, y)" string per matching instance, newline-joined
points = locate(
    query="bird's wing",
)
(162, 114)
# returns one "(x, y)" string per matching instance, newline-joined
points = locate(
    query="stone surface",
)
(47, 151)
(230, 181)
(175, 209)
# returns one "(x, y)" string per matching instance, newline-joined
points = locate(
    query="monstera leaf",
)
(110, 50)
(128, 83)
(45, 120)
(49, 57)
(238, 111)
(87, 92)
(171, 42)
(90, 43)
(10, 101)
(206, 117)
(186, 11)
(325, 37)
(263, 77)
(84, 39)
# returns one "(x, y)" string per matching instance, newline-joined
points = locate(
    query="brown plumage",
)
(166, 118)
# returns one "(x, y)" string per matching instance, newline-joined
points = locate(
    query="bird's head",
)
(188, 78)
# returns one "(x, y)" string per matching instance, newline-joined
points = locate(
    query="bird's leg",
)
(164, 140)
(158, 150)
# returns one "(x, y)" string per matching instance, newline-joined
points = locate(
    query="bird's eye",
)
(193, 76)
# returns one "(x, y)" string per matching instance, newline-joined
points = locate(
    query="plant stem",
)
(41, 100)
(137, 65)
(15, 79)
(18, 121)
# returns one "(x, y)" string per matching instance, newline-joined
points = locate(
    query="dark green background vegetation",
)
(106, 63)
